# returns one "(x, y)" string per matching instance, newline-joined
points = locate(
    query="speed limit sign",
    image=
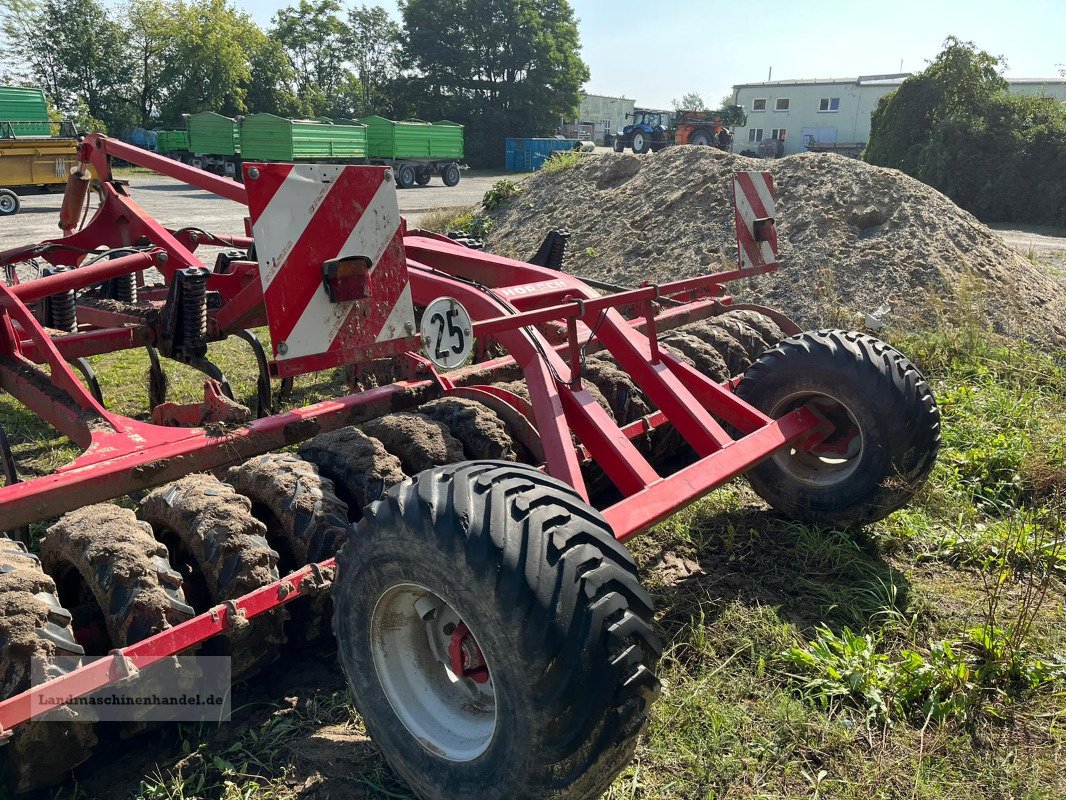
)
(446, 337)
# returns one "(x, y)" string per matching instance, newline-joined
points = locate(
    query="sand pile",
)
(853, 236)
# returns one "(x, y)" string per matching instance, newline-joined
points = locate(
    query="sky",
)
(657, 50)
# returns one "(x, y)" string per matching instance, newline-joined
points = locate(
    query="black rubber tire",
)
(305, 521)
(749, 338)
(704, 357)
(559, 613)
(701, 138)
(423, 175)
(719, 337)
(625, 400)
(891, 404)
(223, 551)
(9, 203)
(417, 440)
(619, 144)
(103, 556)
(450, 174)
(483, 434)
(359, 466)
(769, 330)
(405, 176)
(33, 624)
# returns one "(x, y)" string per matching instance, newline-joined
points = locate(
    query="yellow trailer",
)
(31, 161)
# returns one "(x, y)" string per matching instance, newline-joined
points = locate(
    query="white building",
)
(598, 115)
(831, 112)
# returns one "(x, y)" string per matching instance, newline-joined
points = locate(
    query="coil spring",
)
(60, 310)
(194, 308)
(124, 288)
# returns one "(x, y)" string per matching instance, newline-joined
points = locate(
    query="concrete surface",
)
(176, 204)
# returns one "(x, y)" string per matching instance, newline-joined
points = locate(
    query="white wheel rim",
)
(7, 203)
(815, 468)
(638, 141)
(411, 631)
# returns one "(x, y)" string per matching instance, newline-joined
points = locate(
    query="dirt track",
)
(176, 204)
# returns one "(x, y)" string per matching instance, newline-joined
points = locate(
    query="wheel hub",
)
(833, 453)
(433, 672)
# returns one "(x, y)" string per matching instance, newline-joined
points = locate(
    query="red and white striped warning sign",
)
(304, 215)
(753, 200)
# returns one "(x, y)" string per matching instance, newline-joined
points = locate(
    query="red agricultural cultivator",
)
(459, 508)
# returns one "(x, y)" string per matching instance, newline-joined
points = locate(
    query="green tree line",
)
(500, 67)
(957, 127)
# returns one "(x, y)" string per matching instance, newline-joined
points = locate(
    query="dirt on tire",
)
(482, 433)
(107, 550)
(359, 466)
(211, 532)
(33, 624)
(417, 440)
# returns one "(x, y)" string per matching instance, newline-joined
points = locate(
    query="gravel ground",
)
(177, 204)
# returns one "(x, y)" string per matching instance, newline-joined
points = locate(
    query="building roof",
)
(888, 79)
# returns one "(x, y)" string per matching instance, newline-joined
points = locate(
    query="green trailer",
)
(416, 149)
(266, 137)
(172, 143)
(214, 142)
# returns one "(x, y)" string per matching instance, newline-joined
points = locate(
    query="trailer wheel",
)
(9, 203)
(494, 635)
(886, 427)
(700, 137)
(423, 175)
(450, 174)
(405, 176)
(33, 624)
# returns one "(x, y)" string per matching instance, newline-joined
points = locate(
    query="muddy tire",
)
(359, 466)
(223, 553)
(719, 337)
(110, 570)
(418, 441)
(306, 523)
(33, 624)
(305, 520)
(498, 594)
(769, 330)
(886, 427)
(749, 338)
(483, 434)
(701, 355)
(624, 400)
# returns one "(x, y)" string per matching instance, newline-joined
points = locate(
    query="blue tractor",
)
(650, 130)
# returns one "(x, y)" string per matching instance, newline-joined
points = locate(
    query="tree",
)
(272, 78)
(502, 67)
(373, 39)
(957, 127)
(149, 30)
(207, 61)
(690, 101)
(313, 36)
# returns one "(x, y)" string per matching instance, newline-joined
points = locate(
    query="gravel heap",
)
(853, 237)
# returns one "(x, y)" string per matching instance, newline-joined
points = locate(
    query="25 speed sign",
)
(446, 337)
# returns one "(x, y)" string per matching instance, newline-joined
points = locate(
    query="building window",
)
(781, 104)
(829, 104)
(758, 104)
(755, 135)
(778, 133)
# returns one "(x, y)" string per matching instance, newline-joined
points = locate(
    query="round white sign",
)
(446, 333)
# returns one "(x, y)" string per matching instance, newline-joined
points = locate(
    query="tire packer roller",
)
(460, 509)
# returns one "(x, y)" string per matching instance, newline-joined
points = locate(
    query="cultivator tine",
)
(284, 390)
(211, 370)
(82, 365)
(157, 379)
(11, 476)
(264, 404)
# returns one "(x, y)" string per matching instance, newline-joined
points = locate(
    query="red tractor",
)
(464, 501)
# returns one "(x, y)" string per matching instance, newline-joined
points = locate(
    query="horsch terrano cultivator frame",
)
(491, 627)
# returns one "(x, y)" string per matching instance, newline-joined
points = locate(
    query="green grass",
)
(921, 657)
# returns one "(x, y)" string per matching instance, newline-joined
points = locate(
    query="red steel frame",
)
(507, 300)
